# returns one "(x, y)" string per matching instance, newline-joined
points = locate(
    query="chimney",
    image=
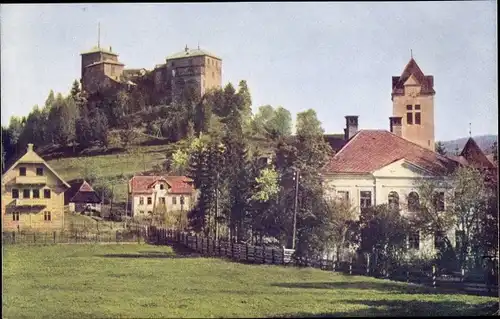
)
(30, 147)
(351, 126)
(395, 125)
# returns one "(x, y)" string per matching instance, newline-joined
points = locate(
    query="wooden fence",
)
(280, 256)
(73, 237)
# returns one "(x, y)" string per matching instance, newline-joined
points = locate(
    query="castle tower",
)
(413, 101)
(195, 68)
(100, 69)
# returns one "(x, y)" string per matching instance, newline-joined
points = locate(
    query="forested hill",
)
(75, 124)
(485, 142)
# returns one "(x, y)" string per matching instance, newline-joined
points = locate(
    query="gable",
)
(412, 81)
(402, 169)
(474, 155)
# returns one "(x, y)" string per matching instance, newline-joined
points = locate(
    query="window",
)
(417, 107)
(15, 193)
(409, 118)
(438, 239)
(414, 240)
(413, 202)
(150, 212)
(173, 63)
(36, 193)
(439, 201)
(393, 200)
(39, 171)
(417, 118)
(22, 171)
(141, 212)
(182, 200)
(161, 186)
(409, 107)
(15, 216)
(141, 200)
(190, 61)
(365, 199)
(174, 200)
(150, 201)
(46, 193)
(26, 193)
(47, 216)
(343, 196)
(162, 200)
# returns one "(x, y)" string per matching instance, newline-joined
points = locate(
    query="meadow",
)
(146, 281)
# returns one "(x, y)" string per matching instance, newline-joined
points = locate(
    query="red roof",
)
(177, 184)
(412, 68)
(370, 150)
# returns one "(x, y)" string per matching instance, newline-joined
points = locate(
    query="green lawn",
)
(144, 281)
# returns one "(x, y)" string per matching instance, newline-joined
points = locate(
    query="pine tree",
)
(440, 149)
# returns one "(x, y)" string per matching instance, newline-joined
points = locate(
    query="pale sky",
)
(337, 58)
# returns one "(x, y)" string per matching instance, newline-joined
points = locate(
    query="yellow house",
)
(32, 195)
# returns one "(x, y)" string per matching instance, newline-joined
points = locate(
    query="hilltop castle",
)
(102, 71)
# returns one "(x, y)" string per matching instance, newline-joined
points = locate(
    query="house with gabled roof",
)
(81, 197)
(32, 194)
(148, 193)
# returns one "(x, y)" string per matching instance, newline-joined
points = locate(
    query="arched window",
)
(393, 200)
(413, 202)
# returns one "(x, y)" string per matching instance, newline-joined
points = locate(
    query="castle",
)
(102, 71)
(412, 92)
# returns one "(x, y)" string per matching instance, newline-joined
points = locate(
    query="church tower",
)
(413, 102)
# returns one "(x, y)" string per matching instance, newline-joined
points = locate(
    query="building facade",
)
(168, 193)
(81, 197)
(32, 195)
(101, 70)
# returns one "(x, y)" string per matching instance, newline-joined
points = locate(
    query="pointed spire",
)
(186, 48)
(198, 45)
(411, 53)
(470, 129)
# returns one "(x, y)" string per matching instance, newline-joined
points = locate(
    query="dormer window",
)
(22, 171)
(39, 171)
(161, 186)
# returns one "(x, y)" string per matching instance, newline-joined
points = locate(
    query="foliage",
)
(180, 162)
(272, 123)
(383, 234)
(440, 148)
(267, 185)
(338, 219)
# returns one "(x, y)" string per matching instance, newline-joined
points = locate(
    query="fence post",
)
(34, 237)
(334, 266)
(462, 275)
(54, 237)
(407, 276)
(368, 264)
(433, 276)
(272, 256)
(196, 241)
(350, 266)
(14, 237)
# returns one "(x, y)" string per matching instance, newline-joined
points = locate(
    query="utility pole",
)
(296, 176)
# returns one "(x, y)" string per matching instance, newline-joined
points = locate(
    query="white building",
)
(147, 193)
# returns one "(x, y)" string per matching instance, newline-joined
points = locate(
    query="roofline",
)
(168, 58)
(43, 162)
(104, 61)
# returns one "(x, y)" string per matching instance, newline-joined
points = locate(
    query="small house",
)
(81, 197)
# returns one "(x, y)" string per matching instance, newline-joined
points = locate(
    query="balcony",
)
(31, 180)
(31, 202)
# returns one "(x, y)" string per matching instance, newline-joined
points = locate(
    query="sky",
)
(337, 58)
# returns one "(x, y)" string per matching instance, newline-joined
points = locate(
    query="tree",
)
(494, 151)
(83, 129)
(383, 235)
(100, 127)
(440, 148)
(466, 199)
(127, 135)
(339, 217)
(267, 187)
(272, 123)
(180, 162)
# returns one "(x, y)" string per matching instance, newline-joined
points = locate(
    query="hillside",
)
(485, 142)
(119, 164)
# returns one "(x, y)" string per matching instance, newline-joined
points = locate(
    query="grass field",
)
(144, 281)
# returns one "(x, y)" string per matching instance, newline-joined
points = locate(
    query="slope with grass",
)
(143, 281)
